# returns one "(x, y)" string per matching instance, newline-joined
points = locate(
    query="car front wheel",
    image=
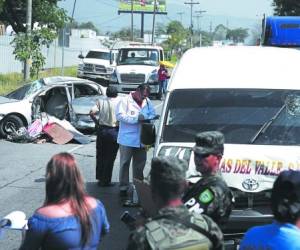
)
(10, 124)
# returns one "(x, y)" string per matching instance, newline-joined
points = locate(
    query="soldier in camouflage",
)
(210, 195)
(164, 231)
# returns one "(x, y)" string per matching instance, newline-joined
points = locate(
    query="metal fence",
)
(56, 56)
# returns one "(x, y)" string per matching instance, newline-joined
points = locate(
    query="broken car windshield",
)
(26, 90)
(238, 113)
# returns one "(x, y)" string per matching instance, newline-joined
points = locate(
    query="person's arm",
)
(93, 112)
(122, 115)
(105, 224)
(34, 235)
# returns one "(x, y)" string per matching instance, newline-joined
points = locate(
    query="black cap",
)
(209, 142)
(168, 169)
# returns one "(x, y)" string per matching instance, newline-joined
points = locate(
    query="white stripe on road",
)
(73, 149)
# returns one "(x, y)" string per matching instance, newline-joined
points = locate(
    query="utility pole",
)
(191, 3)
(131, 20)
(180, 14)
(28, 32)
(153, 24)
(73, 11)
(199, 12)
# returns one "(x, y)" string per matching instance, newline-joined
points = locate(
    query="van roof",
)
(237, 67)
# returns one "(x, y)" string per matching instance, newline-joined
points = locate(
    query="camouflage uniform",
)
(211, 196)
(138, 239)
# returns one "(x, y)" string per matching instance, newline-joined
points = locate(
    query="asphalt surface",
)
(22, 184)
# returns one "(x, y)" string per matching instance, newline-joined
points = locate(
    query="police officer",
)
(210, 195)
(172, 226)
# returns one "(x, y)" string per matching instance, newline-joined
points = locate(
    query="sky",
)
(231, 13)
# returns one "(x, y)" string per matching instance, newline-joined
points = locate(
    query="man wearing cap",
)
(169, 229)
(284, 232)
(210, 195)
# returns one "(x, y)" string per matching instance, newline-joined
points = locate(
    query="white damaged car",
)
(67, 98)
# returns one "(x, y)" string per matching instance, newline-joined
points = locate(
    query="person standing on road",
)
(210, 195)
(163, 77)
(175, 227)
(284, 232)
(131, 111)
(107, 133)
(69, 218)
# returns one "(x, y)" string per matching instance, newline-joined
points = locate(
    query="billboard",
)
(142, 5)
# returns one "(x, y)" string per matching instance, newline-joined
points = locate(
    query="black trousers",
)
(106, 152)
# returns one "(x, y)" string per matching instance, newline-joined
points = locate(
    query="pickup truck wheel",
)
(10, 124)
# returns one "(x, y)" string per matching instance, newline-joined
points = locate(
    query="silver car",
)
(63, 97)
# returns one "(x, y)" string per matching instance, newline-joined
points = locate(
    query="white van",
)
(252, 95)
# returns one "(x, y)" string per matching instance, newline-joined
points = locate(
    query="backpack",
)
(162, 235)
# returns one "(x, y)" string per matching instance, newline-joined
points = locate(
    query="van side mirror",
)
(148, 134)
(80, 56)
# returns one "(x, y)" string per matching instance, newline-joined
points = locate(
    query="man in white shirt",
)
(131, 111)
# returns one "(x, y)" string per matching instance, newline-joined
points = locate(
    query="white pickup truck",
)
(98, 64)
(137, 64)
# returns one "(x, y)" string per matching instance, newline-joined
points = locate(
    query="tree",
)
(177, 36)
(30, 47)
(237, 35)
(44, 12)
(47, 18)
(286, 7)
(220, 32)
(125, 34)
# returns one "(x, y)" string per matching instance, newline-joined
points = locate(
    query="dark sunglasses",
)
(201, 156)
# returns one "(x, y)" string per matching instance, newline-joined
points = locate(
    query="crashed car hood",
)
(83, 105)
(6, 100)
(249, 168)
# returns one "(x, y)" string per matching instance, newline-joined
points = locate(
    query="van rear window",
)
(245, 116)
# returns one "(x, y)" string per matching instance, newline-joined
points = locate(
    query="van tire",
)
(9, 124)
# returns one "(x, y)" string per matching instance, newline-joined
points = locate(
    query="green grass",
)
(12, 81)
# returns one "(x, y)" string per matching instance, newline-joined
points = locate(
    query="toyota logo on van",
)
(250, 184)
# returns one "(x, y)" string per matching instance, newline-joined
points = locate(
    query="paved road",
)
(22, 170)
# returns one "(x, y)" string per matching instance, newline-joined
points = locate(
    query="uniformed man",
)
(174, 225)
(210, 195)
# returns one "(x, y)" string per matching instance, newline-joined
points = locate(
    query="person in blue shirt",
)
(69, 219)
(131, 111)
(284, 232)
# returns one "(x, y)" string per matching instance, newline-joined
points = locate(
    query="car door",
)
(84, 98)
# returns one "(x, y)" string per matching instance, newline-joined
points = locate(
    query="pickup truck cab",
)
(252, 96)
(137, 64)
(98, 64)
